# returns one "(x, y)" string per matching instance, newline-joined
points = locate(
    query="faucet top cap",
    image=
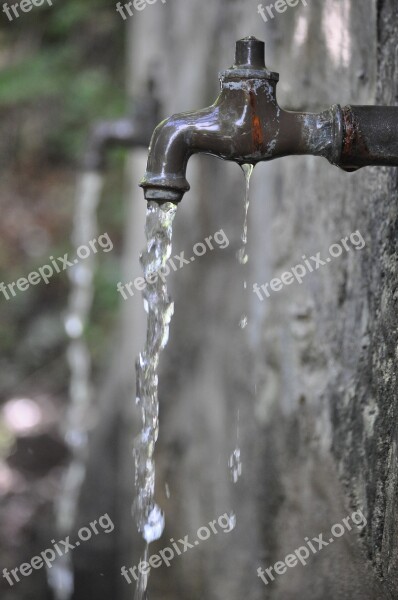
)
(250, 53)
(249, 62)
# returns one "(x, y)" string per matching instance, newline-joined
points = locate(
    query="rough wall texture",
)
(313, 376)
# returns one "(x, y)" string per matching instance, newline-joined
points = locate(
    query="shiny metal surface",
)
(246, 125)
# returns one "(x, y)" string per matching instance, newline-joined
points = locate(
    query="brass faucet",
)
(246, 125)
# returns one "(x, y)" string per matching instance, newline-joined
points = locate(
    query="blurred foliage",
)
(61, 69)
(69, 56)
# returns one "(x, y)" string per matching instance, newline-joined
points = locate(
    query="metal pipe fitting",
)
(128, 132)
(246, 125)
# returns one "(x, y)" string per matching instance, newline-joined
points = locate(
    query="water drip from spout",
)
(235, 460)
(159, 308)
(242, 255)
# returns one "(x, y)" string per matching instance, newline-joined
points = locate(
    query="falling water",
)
(60, 577)
(235, 460)
(235, 463)
(242, 255)
(159, 308)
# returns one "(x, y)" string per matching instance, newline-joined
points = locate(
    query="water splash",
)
(77, 422)
(160, 308)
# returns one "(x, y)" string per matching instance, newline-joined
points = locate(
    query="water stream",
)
(235, 460)
(242, 255)
(77, 422)
(159, 308)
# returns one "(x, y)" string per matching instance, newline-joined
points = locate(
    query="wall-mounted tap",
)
(129, 132)
(246, 125)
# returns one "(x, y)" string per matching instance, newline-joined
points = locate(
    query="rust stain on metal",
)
(350, 132)
(257, 130)
(354, 143)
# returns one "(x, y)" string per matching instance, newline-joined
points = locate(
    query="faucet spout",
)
(246, 125)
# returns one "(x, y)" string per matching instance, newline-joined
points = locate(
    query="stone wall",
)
(313, 376)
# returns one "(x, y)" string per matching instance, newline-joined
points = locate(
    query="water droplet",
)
(235, 465)
(232, 520)
(242, 256)
(243, 322)
(155, 525)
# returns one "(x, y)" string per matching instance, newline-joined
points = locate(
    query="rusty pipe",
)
(370, 137)
(246, 125)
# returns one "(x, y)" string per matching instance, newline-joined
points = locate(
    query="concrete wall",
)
(313, 376)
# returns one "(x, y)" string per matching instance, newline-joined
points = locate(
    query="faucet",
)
(128, 132)
(246, 125)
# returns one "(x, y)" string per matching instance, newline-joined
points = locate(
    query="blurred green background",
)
(61, 70)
